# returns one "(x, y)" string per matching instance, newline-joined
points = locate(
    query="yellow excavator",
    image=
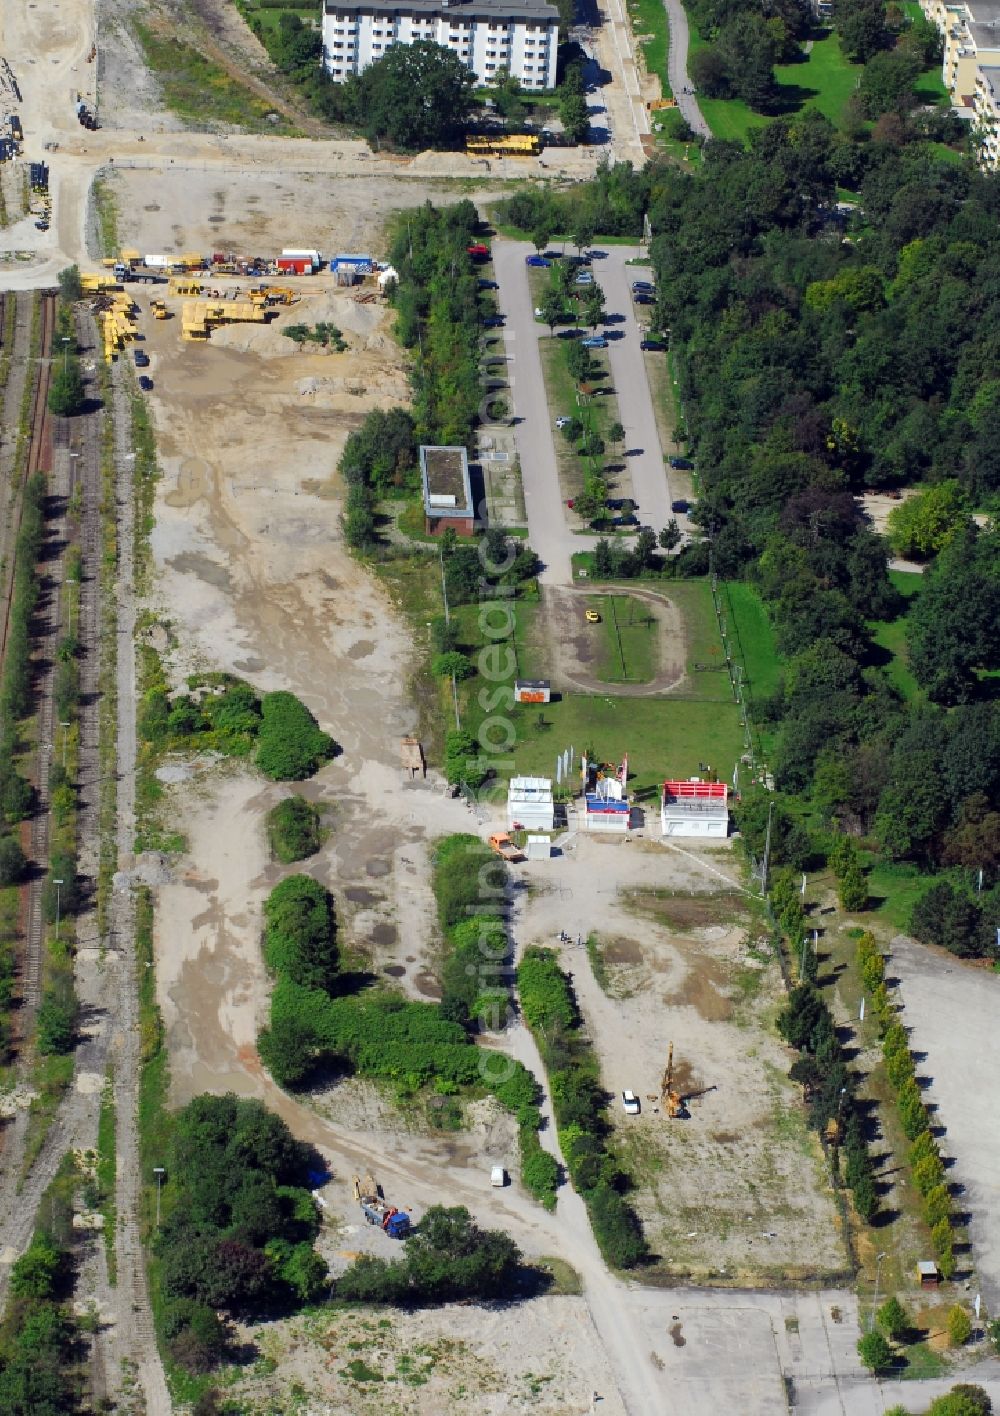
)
(671, 1101)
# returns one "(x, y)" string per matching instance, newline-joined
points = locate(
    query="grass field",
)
(896, 888)
(822, 79)
(628, 642)
(649, 17)
(754, 639)
(601, 410)
(890, 636)
(663, 736)
(195, 88)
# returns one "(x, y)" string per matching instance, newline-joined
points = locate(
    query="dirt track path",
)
(565, 607)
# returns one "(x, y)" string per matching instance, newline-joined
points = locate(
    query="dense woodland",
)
(814, 363)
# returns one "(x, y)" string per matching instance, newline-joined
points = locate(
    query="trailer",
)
(296, 265)
(378, 1211)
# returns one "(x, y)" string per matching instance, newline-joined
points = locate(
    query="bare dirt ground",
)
(260, 212)
(738, 1191)
(543, 1358)
(574, 649)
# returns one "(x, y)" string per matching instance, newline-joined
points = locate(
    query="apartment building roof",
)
(529, 10)
(984, 23)
(991, 78)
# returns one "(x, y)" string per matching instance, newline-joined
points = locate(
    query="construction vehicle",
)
(671, 1101)
(159, 309)
(505, 847)
(273, 295)
(655, 105)
(503, 145)
(377, 1210)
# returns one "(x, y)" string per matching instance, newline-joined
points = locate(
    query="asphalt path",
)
(677, 73)
(551, 539)
(645, 461)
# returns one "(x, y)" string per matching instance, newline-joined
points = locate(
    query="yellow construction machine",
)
(670, 1100)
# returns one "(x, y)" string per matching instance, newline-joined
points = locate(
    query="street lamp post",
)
(58, 884)
(65, 343)
(159, 1172)
(878, 1269)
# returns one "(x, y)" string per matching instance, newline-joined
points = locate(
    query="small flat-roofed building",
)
(695, 808)
(447, 490)
(530, 804)
(532, 691)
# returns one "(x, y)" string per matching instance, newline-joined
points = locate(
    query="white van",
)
(498, 1177)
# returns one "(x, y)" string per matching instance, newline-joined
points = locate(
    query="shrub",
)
(291, 745)
(453, 662)
(300, 933)
(937, 1205)
(912, 1112)
(854, 889)
(959, 1326)
(57, 1018)
(293, 829)
(874, 1351)
(927, 1173)
(12, 860)
(893, 1319)
(539, 1170)
(616, 1227)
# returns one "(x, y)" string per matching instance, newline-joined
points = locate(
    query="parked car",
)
(145, 383)
(643, 287)
(563, 422)
(488, 285)
(492, 321)
(595, 341)
(584, 277)
(630, 1102)
(654, 344)
(593, 617)
(681, 463)
(679, 505)
(141, 359)
(537, 261)
(645, 298)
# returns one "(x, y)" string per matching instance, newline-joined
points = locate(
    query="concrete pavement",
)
(677, 68)
(650, 478)
(550, 537)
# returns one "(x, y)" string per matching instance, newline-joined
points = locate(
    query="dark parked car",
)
(645, 299)
(652, 344)
(679, 505)
(683, 463)
(643, 287)
(488, 285)
(141, 359)
(537, 261)
(492, 321)
(145, 383)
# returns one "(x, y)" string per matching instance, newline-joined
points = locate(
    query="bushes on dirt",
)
(293, 829)
(16, 696)
(807, 1025)
(224, 713)
(291, 745)
(300, 938)
(447, 1258)
(549, 1008)
(239, 1224)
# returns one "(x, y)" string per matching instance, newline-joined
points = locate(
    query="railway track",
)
(40, 449)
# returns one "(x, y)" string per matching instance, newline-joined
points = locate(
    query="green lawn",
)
(890, 635)
(665, 737)
(754, 639)
(197, 89)
(601, 410)
(823, 79)
(898, 887)
(649, 17)
(628, 641)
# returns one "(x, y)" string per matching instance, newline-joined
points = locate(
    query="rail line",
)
(47, 617)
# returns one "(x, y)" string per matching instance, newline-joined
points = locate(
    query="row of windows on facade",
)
(338, 68)
(417, 20)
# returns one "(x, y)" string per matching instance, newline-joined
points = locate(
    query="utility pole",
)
(159, 1172)
(767, 849)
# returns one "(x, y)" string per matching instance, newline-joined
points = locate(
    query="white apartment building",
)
(987, 117)
(971, 33)
(520, 36)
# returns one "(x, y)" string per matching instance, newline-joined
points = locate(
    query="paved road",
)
(550, 537)
(677, 68)
(628, 373)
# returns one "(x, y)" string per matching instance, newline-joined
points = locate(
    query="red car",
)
(570, 503)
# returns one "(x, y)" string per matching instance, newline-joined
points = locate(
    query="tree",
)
(541, 236)
(887, 83)
(416, 96)
(12, 860)
(70, 285)
(645, 547)
(583, 234)
(57, 1018)
(574, 116)
(454, 662)
(593, 308)
(893, 1319)
(953, 624)
(616, 432)
(959, 1326)
(854, 888)
(923, 525)
(862, 28)
(300, 932)
(293, 829)
(553, 307)
(875, 1352)
(670, 535)
(291, 744)
(67, 395)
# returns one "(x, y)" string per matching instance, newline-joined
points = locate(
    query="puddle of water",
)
(384, 936)
(428, 985)
(675, 1335)
(358, 895)
(394, 970)
(377, 868)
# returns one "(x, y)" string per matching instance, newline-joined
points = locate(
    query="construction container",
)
(296, 265)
